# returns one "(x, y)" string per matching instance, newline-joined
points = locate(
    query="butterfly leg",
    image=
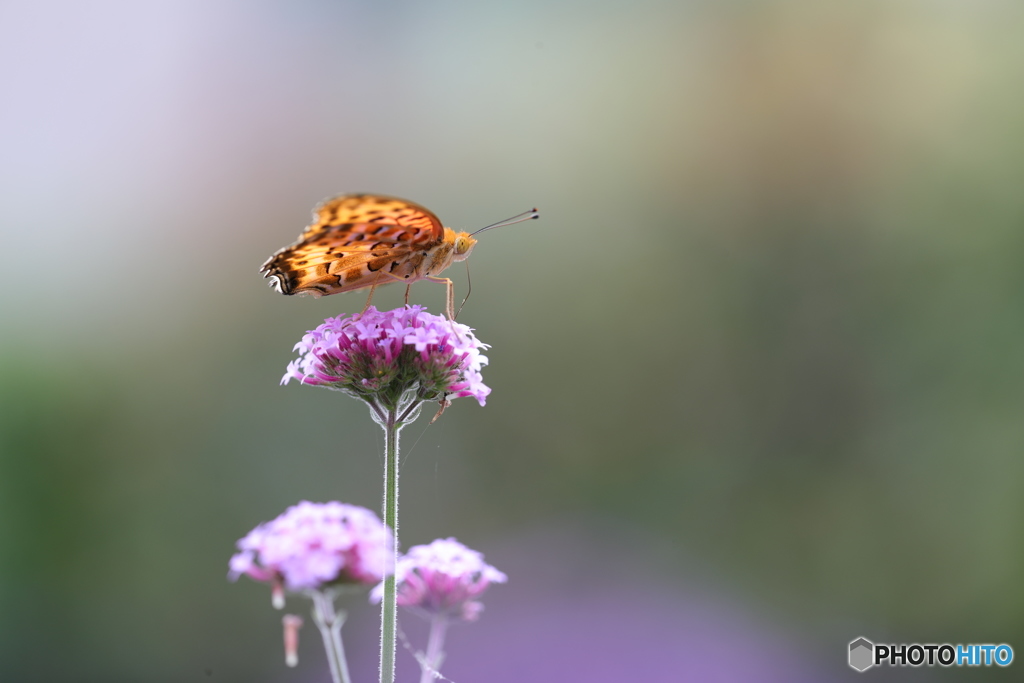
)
(407, 289)
(369, 298)
(449, 296)
(449, 309)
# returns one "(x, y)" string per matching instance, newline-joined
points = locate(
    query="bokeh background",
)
(758, 378)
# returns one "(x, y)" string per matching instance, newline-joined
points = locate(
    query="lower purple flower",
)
(381, 356)
(316, 545)
(444, 577)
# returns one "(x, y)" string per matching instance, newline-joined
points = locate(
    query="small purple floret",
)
(444, 577)
(313, 545)
(379, 355)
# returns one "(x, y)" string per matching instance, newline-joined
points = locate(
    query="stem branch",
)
(329, 622)
(375, 409)
(431, 661)
(408, 411)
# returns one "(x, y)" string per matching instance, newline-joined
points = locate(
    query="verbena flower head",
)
(380, 356)
(444, 577)
(312, 546)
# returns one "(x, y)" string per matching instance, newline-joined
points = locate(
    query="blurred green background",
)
(767, 332)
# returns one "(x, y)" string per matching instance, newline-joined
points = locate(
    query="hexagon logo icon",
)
(862, 654)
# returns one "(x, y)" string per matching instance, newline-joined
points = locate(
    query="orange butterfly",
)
(364, 240)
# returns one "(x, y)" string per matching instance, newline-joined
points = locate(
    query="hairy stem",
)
(389, 606)
(394, 419)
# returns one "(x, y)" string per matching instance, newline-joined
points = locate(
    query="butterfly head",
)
(464, 244)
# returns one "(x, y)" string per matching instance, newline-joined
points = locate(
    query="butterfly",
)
(364, 240)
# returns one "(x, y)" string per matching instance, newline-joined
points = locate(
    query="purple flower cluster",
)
(444, 578)
(314, 545)
(379, 356)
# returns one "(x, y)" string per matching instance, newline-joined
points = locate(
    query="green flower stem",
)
(432, 660)
(329, 622)
(393, 420)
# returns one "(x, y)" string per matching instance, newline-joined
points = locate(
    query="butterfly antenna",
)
(519, 218)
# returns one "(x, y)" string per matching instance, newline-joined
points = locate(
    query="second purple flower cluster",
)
(444, 577)
(319, 546)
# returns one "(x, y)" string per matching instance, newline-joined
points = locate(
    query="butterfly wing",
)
(351, 240)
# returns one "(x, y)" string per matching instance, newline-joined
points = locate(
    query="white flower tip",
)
(277, 595)
(292, 624)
